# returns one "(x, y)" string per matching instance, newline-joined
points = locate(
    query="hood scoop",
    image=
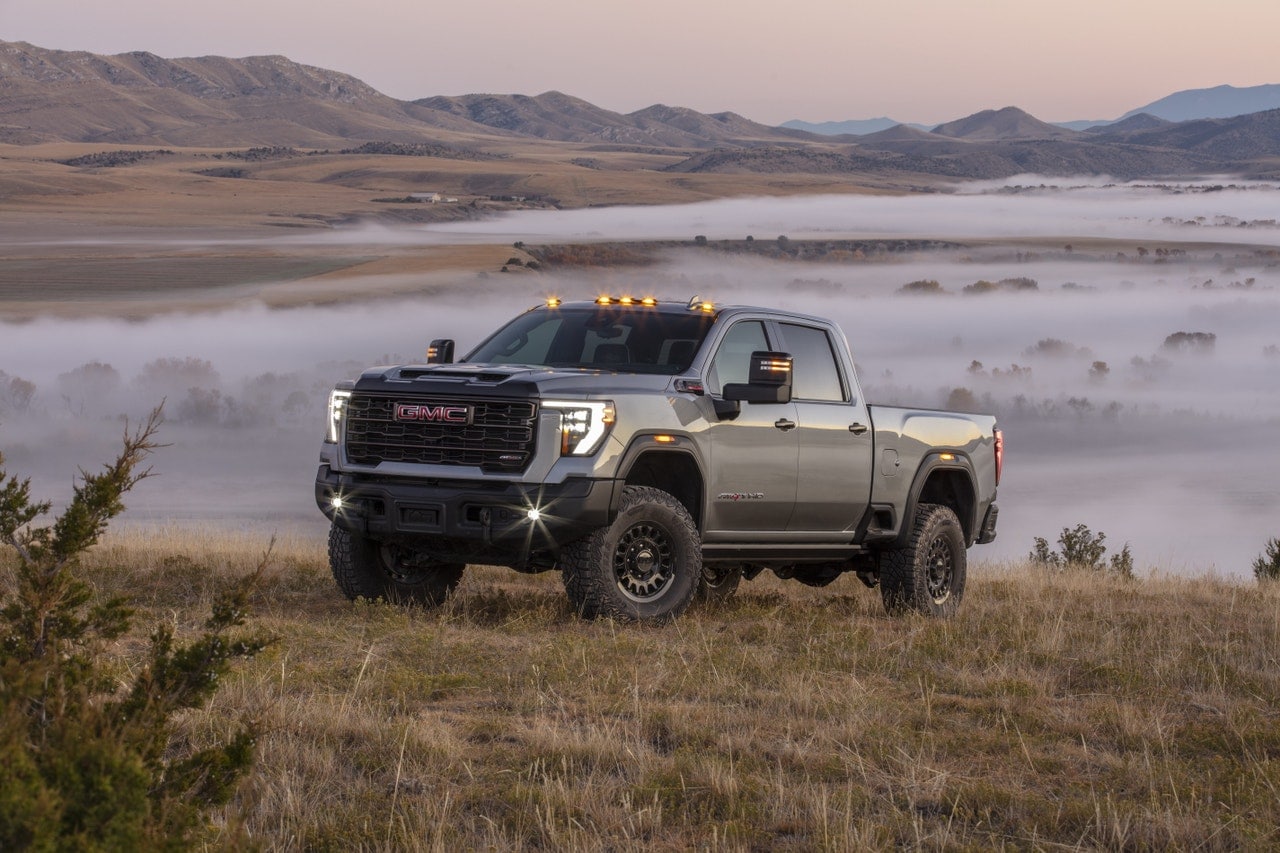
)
(472, 374)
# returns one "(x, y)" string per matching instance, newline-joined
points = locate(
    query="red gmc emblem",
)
(433, 414)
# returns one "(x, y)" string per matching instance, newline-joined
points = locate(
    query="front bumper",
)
(492, 515)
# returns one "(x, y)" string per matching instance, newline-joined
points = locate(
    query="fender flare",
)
(930, 465)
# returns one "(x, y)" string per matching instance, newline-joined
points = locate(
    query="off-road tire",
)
(644, 567)
(927, 575)
(717, 585)
(365, 568)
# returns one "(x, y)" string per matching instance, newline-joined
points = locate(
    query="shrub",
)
(924, 285)
(16, 393)
(1267, 566)
(1192, 342)
(1081, 548)
(88, 747)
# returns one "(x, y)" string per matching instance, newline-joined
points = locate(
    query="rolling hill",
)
(52, 96)
(561, 117)
(1006, 123)
(140, 98)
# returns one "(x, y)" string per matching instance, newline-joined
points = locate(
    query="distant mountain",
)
(1137, 122)
(140, 98)
(1237, 140)
(1218, 102)
(902, 133)
(1007, 123)
(852, 127)
(1084, 124)
(555, 115)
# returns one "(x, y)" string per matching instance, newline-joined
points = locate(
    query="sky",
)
(921, 61)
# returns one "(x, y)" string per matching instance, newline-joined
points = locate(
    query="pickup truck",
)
(654, 453)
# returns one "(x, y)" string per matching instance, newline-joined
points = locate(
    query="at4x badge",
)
(740, 496)
(438, 414)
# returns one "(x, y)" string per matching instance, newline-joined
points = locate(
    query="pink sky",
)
(818, 60)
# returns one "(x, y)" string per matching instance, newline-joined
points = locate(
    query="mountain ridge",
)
(139, 98)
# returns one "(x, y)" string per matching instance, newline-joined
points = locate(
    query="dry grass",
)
(1058, 711)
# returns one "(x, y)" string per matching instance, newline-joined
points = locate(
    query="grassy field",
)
(1057, 711)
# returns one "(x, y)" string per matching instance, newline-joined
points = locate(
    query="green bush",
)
(1081, 548)
(1267, 566)
(88, 749)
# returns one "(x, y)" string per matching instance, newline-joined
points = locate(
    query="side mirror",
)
(440, 351)
(768, 380)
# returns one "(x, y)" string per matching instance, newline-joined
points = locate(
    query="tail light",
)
(999, 441)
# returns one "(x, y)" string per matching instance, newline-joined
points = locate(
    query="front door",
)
(754, 456)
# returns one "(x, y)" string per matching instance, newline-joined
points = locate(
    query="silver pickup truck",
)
(654, 453)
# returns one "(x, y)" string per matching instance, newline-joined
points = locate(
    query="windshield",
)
(599, 337)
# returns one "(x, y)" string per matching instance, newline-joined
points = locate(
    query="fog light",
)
(336, 503)
(533, 515)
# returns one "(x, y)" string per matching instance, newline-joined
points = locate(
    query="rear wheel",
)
(366, 568)
(645, 567)
(927, 575)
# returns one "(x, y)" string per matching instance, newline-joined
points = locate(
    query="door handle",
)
(858, 429)
(784, 424)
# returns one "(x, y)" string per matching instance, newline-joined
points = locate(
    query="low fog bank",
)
(1140, 395)
(1234, 212)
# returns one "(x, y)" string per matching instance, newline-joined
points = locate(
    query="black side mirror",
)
(440, 351)
(768, 380)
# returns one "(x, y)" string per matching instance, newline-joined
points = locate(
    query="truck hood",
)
(479, 380)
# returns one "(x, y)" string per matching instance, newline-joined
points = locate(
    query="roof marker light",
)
(649, 301)
(603, 300)
(553, 301)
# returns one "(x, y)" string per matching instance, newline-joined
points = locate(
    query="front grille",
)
(500, 436)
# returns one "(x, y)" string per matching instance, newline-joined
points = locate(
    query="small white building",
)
(427, 198)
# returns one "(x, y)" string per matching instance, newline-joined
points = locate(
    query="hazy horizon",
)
(928, 61)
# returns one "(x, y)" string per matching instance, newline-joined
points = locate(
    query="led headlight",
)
(583, 424)
(337, 411)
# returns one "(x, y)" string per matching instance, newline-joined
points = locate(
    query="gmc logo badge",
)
(433, 414)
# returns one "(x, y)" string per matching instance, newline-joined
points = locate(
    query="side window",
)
(817, 375)
(732, 362)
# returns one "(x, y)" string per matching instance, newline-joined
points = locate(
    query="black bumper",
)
(493, 516)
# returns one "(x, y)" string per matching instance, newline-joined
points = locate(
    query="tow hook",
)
(486, 524)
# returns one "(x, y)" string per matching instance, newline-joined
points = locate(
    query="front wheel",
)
(645, 567)
(365, 568)
(927, 575)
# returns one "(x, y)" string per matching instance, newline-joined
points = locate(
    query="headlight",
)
(337, 411)
(583, 425)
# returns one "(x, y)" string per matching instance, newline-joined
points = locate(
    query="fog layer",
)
(1139, 391)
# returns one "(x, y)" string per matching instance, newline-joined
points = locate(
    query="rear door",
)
(834, 433)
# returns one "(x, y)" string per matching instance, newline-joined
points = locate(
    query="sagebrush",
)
(1081, 548)
(86, 739)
